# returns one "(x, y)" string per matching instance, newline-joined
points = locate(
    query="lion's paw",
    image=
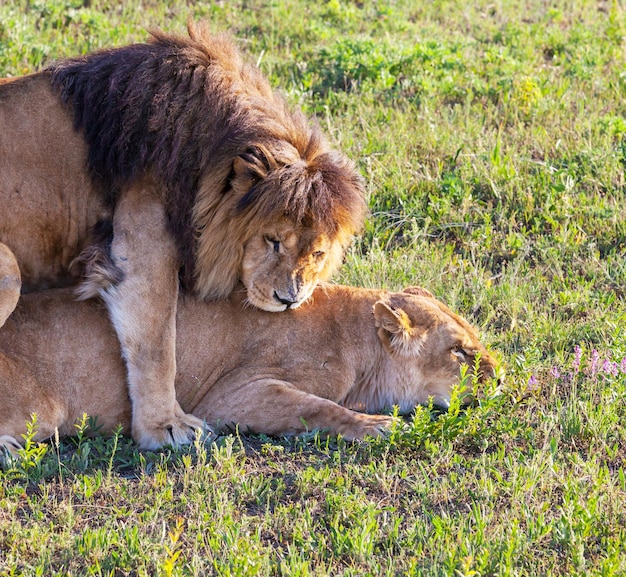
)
(181, 429)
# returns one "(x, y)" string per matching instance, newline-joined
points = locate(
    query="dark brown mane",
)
(178, 107)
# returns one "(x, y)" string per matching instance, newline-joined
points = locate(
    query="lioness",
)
(346, 350)
(182, 157)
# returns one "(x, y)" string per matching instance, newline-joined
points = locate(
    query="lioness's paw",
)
(175, 432)
(368, 426)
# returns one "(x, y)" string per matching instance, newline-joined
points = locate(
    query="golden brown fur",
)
(178, 161)
(345, 351)
(10, 282)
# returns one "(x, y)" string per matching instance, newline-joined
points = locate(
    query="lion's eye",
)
(273, 242)
(318, 254)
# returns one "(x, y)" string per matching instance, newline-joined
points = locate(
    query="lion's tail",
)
(99, 272)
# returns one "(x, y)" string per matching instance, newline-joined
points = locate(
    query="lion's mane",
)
(183, 109)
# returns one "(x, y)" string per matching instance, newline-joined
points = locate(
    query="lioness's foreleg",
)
(143, 310)
(276, 407)
(10, 283)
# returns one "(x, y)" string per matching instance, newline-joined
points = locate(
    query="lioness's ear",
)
(418, 291)
(394, 326)
(392, 320)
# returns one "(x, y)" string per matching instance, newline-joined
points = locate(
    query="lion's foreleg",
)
(142, 308)
(10, 283)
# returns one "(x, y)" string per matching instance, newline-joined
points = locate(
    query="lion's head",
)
(282, 265)
(252, 189)
(292, 205)
(291, 214)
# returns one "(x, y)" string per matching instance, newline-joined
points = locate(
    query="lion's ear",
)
(394, 325)
(418, 291)
(251, 166)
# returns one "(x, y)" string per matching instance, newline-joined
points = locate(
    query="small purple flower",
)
(578, 354)
(532, 382)
(622, 366)
(609, 367)
(555, 372)
(595, 358)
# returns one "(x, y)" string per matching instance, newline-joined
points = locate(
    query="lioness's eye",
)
(460, 352)
(274, 243)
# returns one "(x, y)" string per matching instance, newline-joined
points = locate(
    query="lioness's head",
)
(292, 209)
(427, 345)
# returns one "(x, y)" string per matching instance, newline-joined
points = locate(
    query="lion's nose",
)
(284, 300)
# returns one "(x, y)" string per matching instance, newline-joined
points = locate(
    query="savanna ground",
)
(493, 139)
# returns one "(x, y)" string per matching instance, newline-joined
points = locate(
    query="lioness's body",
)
(345, 349)
(163, 161)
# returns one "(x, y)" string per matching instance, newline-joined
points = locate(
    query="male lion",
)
(182, 157)
(345, 350)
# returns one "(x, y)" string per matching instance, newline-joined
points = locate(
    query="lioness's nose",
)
(489, 370)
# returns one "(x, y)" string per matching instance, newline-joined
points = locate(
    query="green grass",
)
(493, 140)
